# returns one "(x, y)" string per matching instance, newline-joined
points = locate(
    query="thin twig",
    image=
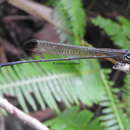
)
(34, 123)
(34, 9)
(38, 10)
(16, 17)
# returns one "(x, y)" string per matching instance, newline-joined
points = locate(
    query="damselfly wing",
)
(74, 52)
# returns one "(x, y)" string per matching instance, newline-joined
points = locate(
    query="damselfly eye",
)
(127, 56)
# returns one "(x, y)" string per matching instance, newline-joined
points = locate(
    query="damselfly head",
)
(127, 57)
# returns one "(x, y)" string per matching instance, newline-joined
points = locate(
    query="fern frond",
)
(50, 83)
(63, 24)
(73, 119)
(76, 15)
(70, 16)
(126, 94)
(118, 31)
(113, 118)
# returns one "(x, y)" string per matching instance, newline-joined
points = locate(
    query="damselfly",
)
(122, 57)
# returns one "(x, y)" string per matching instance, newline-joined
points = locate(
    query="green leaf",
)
(74, 119)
